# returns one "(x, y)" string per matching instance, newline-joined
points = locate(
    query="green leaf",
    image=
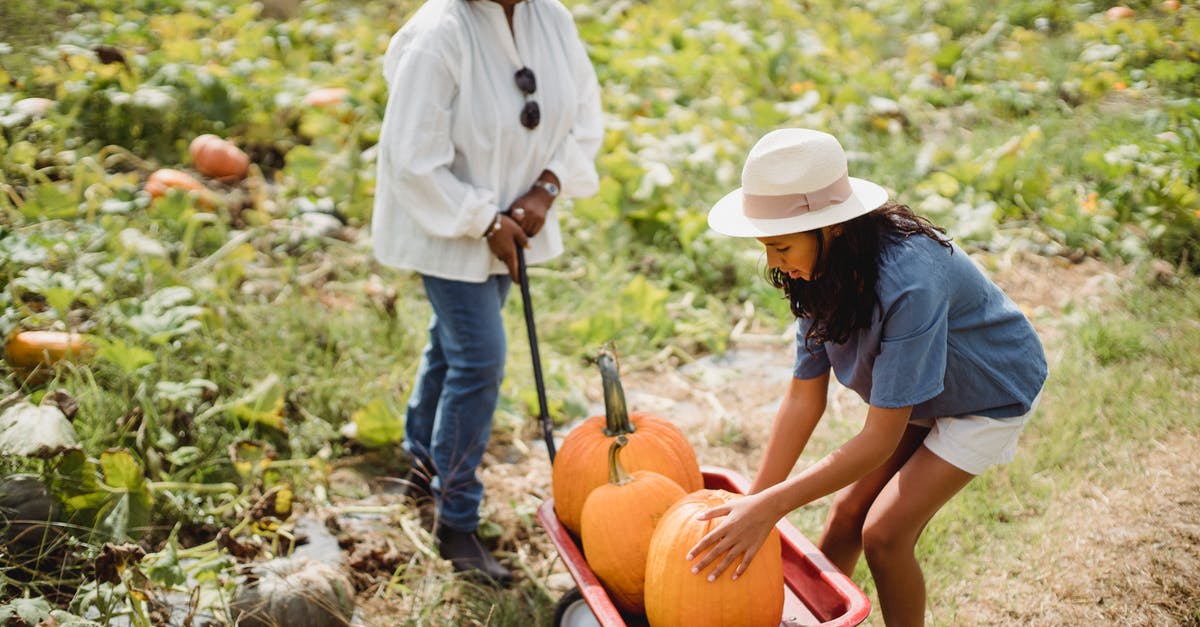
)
(128, 507)
(127, 357)
(31, 611)
(263, 405)
(166, 569)
(378, 424)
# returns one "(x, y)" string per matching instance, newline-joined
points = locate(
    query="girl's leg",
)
(841, 540)
(894, 523)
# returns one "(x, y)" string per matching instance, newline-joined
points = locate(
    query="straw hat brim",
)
(726, 217)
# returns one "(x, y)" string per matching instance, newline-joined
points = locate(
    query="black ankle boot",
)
(468, 555)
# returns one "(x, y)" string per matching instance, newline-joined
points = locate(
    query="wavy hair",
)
(841, 297)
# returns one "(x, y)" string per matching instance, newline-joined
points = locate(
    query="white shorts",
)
(973, 443)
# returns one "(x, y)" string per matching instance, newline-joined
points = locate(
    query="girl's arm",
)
(749, 519)
(865, 452)
(802, 406)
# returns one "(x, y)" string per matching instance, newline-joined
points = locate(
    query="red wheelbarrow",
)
(815, 591)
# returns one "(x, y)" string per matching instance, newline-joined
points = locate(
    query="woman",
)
(950, 367)
(493, 114)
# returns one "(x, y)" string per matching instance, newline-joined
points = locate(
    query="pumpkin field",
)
(205, 370)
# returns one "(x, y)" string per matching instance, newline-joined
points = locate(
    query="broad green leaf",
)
(127, 357)
(128, 507)
(378, 424)
(31, 611)
(166, 570)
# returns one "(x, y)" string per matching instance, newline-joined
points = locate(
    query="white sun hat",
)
(794, 180)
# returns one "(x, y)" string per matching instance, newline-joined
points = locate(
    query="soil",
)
(1134, 549)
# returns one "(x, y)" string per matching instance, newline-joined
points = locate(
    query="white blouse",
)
(452, 150)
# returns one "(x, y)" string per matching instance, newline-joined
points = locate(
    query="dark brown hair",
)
(841, 297)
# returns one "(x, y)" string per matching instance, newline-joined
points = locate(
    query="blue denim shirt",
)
(948, 341)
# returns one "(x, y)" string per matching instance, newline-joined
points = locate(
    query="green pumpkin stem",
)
(616, 472)
(617, 416)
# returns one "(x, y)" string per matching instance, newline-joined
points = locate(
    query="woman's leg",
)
(470, 330)
(894, 523)
(422, 409)
(841, 540)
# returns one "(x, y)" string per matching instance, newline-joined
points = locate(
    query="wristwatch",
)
(549, 186)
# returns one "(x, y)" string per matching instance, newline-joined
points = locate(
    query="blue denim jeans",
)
(449, 417)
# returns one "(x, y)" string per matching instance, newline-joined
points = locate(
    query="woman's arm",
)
(801, 408)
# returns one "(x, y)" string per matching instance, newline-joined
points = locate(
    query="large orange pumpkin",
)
(676, 597)
(619, 518)
(582, 461)
(218, 158)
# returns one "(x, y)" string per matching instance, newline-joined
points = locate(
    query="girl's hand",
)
(504, 243)
(748, 522)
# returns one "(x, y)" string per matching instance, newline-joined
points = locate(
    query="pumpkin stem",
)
(617, 416)
(616, 472)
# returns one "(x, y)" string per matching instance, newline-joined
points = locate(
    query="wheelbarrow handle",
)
(527, 302)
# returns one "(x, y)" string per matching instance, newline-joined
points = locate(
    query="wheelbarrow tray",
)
(815, 591)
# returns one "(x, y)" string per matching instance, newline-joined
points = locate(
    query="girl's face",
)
(794, 254)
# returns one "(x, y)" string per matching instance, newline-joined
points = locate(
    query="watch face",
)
(551, 188)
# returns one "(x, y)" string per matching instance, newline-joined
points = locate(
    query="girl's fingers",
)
(714, 512)
(725, 563)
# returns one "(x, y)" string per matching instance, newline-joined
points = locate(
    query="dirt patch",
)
(1127, 553)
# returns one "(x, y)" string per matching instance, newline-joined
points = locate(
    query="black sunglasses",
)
(530, 113)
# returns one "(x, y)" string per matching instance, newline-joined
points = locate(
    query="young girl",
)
(950, 367)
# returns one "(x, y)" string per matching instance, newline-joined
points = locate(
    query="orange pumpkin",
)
(165, 179)
(1119, 13)
(619, 518)
(326, 96)
(582, 461)
(27, 350)
(676, 597)
(218, 158)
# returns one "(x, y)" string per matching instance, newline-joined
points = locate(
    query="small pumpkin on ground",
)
(165, 179)
(676, 597)
(294, 592)
(619, 518)
(26, 351)
(326, 96)
(582, 461)
(218, 158)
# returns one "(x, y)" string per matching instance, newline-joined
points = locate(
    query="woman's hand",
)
(748, 522)
(504, 243)
(530, 210)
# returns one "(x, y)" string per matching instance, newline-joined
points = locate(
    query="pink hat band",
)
(790, 205)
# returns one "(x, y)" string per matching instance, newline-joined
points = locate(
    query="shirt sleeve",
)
(574, 160)
(808, 365)
(418, 150)
(911, 366)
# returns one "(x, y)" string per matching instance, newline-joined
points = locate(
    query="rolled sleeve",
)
(417, 151)
(911, 366)
(808, 365)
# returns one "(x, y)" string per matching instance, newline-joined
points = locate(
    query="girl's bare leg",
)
(894, 523)
(841, 540)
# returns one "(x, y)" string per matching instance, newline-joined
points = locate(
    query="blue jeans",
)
(450, 410)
